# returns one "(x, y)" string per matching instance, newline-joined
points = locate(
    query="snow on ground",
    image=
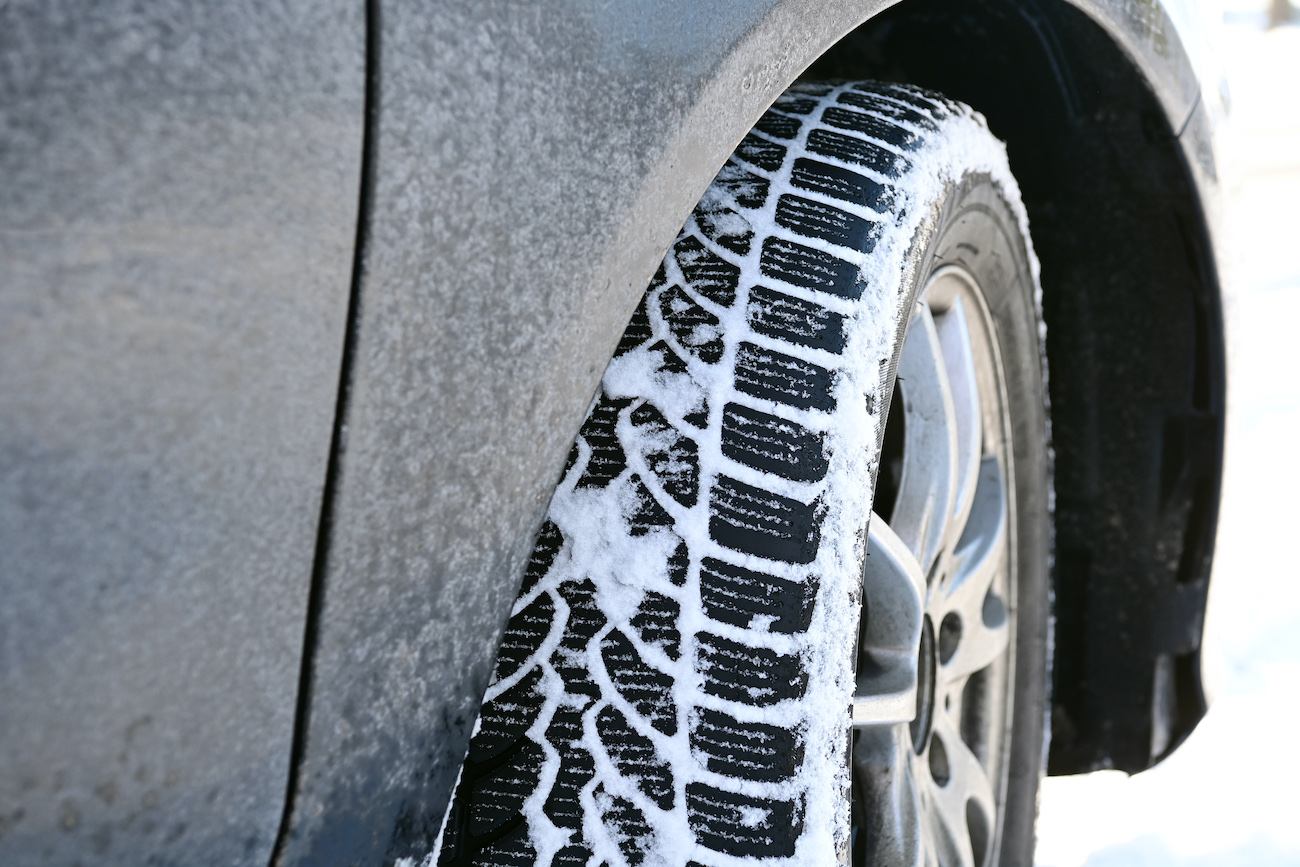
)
(1229, 796)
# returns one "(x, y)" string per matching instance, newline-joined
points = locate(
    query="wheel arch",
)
(1091, 104)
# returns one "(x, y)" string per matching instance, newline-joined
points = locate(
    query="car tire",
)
(678, 682)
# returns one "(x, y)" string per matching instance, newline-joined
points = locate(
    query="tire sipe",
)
(719, 653)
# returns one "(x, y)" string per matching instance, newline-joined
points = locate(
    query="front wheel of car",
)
(719, 651)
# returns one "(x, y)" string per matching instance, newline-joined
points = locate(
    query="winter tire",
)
(713, 619)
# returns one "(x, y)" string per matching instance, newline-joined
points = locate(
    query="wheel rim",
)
(932, 709)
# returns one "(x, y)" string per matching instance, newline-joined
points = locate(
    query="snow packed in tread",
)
(656, 623)
(524, 635)
(694, 328)
(607, 460)
(778, 125)
(647, 514)
(577, 767)
(668, 361)
(647, 689)
(753, 521)
(498, 795)
(636, 757)
(853, 150)
(823, 222)
(803, 266)
(839, 183)
(748, 189)
(633, 833)
(514, 849)
(795, 104)
(504, 719)
(754, 676)
(736, 595)
(874, 127)
(637, 331)
(773, 444)
(674, 459)
(741, 826)
(794, 320)
(745, 750)
(585, 619)
(549, 542)
(892, 110)
(761, 152)
(783, 378)
(707, 273)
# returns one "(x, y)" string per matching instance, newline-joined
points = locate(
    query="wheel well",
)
(1134, 344)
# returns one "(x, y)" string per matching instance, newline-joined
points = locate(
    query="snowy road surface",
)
(1230, 797)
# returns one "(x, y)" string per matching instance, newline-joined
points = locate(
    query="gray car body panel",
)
(530, 165)
(177, 216)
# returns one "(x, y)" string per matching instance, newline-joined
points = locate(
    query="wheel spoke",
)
(959, 363)
(927, 489)
(961, 800)
(893, 589)
(982, 630)
(885, 773)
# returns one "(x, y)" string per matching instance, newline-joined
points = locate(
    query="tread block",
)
(498, 795)
(638, 328)
(812, 269)
(736, 595)
(705, 272)
(628, 825)
(760, 152)
(782, 378)
(793, 104)
(891, 110)
(669, 361)
(700, 418)
(745, 750)
(868, 125)
(823, 222)
(585, 619)
(548, 544)
(679, 564)
(647, 513)
(696, 329)
(778, 125)
(524, 635)
(795, 320)
(635, 757)
(607, 461)
(577, 767)
(504, 719)
(840, 183)
(656, 623)
(924, 101)
(773, 444)
(855, 150)
(674, 459)
(513, 849)
(573, 855)
(742, 826)
(748, 189)
(755, 676)
(754, 521)
(645, 688)
(722, 224)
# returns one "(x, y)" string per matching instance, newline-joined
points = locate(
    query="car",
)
(359, 504)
